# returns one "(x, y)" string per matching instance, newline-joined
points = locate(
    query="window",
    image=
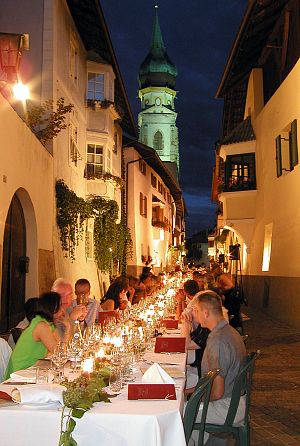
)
(108, 160)
(143, 205)
(94, 165)
(157, 215)
(160, 187)
(116, 142)
(240, 173)
(158, 143)
(267, 247)
(142, 167)
(73, 143)
(287, 149)
(153, 180)
(95, 88)
(73, 59)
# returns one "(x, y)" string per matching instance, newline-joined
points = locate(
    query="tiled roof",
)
(242, 132)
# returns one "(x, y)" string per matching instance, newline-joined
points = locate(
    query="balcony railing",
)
(234, 184)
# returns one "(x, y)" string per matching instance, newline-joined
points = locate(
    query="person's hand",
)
(180, 296)
(78, 313)
(63, 318)
(187, 315)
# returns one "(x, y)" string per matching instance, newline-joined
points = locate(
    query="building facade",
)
(155, 203)
(70, 57)
(257, 174)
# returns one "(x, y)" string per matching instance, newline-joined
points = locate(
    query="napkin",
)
(156, 375)
(38, 393)
(27, 375)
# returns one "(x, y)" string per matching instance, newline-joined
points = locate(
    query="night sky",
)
(198, 35)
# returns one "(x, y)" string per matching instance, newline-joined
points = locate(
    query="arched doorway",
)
(13, 267)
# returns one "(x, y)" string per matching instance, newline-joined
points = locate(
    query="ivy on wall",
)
(112, 241)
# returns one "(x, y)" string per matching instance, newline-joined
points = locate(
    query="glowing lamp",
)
(21, 92)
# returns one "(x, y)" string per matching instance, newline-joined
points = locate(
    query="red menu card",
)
(165, 344)
(170, 323)
(104, 316)
(5, 396)
(151, 392)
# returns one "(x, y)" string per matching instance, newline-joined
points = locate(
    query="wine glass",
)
(59, 359)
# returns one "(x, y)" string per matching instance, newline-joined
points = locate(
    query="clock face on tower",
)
(157, 101)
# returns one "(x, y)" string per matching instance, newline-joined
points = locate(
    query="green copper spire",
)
(157, 70)
(157, 44)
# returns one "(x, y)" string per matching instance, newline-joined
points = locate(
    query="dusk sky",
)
(198, 35)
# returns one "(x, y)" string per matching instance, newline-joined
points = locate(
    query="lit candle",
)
(87, 367)
(118, 342)
(100, 353)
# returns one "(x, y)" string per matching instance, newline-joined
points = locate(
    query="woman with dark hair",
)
(41, 336)
(115, 295)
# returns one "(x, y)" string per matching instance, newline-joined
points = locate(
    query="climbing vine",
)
(112, 241)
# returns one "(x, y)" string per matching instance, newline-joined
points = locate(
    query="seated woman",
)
(115, 297)
(41, 336)
(29, 309)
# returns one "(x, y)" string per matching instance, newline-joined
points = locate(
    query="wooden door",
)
(13, 270)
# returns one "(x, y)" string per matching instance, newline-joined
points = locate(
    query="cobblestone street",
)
(275, 409)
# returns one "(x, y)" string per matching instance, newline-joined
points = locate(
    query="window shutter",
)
(145, 208)
(278, 156)
(293, 145)
(141, 203)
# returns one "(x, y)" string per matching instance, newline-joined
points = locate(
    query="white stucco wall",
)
(27, 168)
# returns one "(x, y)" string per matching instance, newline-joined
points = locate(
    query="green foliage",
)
(112, 241)
(45, 121)
(79, 397)
(72, 212)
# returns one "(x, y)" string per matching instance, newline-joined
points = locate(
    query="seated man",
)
(226, 351)
(82, 291)
(64, 288)
(185, 296)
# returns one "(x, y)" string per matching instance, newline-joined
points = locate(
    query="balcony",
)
(235, 184)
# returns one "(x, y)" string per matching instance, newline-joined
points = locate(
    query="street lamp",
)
(11, 47)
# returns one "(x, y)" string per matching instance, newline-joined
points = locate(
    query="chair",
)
(201, 393)
(5, 352)
(242, 385)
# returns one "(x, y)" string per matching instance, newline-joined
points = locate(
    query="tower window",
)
(158, 142)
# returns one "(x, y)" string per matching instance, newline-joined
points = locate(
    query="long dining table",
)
(122, 422)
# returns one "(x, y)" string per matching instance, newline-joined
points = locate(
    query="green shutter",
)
(278, 156)
(293, 146)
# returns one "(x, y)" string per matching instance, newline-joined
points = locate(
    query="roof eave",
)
(235, 46)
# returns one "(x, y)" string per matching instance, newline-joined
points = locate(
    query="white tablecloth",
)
(119, 423)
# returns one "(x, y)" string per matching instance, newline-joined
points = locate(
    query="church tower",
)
(157, 119)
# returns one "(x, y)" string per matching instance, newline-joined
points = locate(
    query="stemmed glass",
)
(59, 359)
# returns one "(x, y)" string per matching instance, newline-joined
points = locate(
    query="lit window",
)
(95, 88)
(267, 247)
(94, 165)
(108, 161)
(240, 172)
